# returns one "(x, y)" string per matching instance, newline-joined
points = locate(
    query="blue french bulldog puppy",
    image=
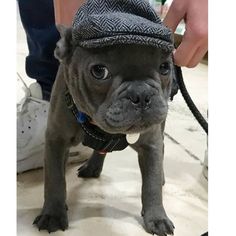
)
(111, 91)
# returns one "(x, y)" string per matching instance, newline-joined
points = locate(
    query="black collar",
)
(94, 137)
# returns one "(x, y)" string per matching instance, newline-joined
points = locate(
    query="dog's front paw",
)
(52, 220)
(157, 224)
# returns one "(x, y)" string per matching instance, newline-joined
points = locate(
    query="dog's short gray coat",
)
(116, 104)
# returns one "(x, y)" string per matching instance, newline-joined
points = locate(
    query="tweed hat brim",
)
(126, 39)
(119, 22)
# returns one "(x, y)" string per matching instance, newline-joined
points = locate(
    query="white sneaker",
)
(32, 114)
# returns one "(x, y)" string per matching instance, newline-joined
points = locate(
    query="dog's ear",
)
(63, 51)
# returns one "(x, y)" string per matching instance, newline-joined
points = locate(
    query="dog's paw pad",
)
(51, 223)
(161, 227)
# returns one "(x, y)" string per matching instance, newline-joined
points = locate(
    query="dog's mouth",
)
(129, 126)
(131, 129)
(122, 116)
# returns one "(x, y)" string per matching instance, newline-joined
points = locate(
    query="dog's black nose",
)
(139, 97)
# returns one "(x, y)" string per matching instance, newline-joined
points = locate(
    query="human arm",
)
(194, 44)
(65, 10)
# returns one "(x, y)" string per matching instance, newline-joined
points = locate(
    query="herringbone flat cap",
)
(101, 23)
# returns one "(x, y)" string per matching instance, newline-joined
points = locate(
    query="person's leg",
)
(37, 17)
(38, 20)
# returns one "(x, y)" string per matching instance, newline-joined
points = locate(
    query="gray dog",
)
(100, 97)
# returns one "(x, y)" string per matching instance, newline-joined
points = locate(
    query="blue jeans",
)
(38, 20)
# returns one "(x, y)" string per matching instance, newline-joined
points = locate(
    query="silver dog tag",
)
(132, 138)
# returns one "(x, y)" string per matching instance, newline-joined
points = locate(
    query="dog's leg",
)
(163, 173)
(163, 152)
(93, 167)
(54, 212)
(150, 154)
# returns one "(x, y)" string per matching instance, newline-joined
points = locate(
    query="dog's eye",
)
(164, 68)
(99, 72)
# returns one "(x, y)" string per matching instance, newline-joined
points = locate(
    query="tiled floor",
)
(111, 204)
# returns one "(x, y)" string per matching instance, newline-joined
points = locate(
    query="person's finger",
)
(185, 52)
(198, 55)
(174, 15)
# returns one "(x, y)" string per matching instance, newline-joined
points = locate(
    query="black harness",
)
(94, 137)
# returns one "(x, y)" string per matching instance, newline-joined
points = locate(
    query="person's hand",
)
(195, 40)
(65, 11)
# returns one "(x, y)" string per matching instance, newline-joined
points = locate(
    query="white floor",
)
(111, 204)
